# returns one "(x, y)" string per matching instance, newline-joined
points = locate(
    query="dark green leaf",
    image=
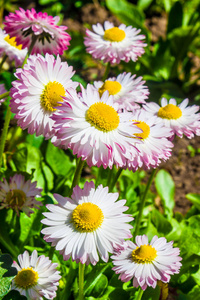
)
(159, 221)
(175, 17)
(195, 199)
(14, 295)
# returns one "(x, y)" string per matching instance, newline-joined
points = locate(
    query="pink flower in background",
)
(155, 147)
(25, 25)
(93, 129)
(19, 194)
(87, 224)
(9, 47)
(113, 44)
(2, 91)
(127, 90)
(147, 263)
(37, 277)
(38, 89)
(181, 119)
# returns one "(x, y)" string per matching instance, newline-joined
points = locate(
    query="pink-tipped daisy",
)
(113, 44)
(28, 25)
(87, 224)
(94, 130)
(126, 90)
(155, 147)
(2, 91)
(9, 47)
(19, 194)
(37, 277)
(147, 263)
(38, 89)
(182, 119)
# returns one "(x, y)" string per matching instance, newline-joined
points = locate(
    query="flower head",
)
(181, 119)
(86, 224)
(93, 129)
(37, 277)
(38, 89)
(9, 47)
(2, 91)
(126, 90)
(113, 44)
(146, 263)
(26, 25)
(19, 194)
(155, 147)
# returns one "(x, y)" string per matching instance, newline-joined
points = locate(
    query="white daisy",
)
(37, 277)
(86, 224)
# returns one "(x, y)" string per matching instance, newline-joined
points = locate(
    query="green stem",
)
(4, 134)
(77, 174)
(81, 281)
(106, 72)
(110, 173)
(115, 179)
(3, 61)
(34, 39)
(9, 246)
(5, 95)
(139, 296)
(142, 203)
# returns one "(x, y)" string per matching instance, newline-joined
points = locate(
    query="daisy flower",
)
(86, 224)
(146, 263)
(28, 25)
(93, 129)
(19, 194)
(182, 119)
(155, 146)
(37, 277)
(113, 44)
(126, 90)
(2, 91)
(39, 87)
(9, 47)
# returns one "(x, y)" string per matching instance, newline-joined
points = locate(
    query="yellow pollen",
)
(170, 111)
(114, 35)
(52, 95)
(16, 198)
(113, 87)
(12, 42)
(146, 129)
(87, 217)
(144, 254)
(102, 116)
(26, 278)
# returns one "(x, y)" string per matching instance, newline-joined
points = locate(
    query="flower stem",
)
(142, 203)
(34, 39)
(5, 95)
(4, 134)
(77, 175)
(115, 179)
(3, 61)
(106, 72)
(81, 281)
(139, 296)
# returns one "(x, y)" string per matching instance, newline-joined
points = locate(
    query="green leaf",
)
(7, 273)
(99, 287)
(195, 199)
(119, 294)
(166, 188)
(175, 17)
(14, 295)
(151, 294)
(144, 4)
(159, 221)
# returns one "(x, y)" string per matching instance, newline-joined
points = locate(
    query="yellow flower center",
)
(16, 198)
(52, 95)
(114, 35)
(146, 129)
(144, 254)
(113, 87)
(12, 42)
(170, 111)
(87, 217)
(102, 116)
(26, 278)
